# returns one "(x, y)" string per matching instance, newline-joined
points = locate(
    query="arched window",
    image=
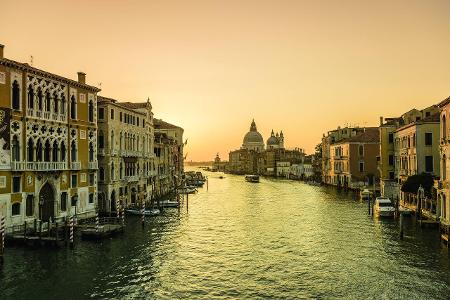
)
(120, 141)
(55, 151)
(63, 105)
(73, 107)
(444, 167)
(73, 151)
(39, 150)
(121, 170)
(91, 111)
(15, 95)
(30, 157)
(101, 172)
(30, 97)
(47, 101)
(91, 151)
(101, 140)
(63, 151)
(55, 103)
(444, 127)
(29, 205)
(47, 151)
(112, 170)
(361, 150)
(39, 95)
(112, 139)
(15, 147)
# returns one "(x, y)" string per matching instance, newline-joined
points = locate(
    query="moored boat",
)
(147, 212)
(365, 194)
(383, 207)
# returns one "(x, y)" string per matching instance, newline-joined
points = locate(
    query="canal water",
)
(277, 239)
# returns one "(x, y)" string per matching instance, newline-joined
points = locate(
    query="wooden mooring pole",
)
(71, 231)
(2, 238)
(401, 226)
(143, 214)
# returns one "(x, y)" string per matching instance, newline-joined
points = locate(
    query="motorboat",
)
(383, 207)
(187, 190)
(252, 178)
(365, 194)
(147, 212)
(169, 203)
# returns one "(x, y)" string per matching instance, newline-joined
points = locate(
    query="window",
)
(391, 159)
(143, 123)
(444, 127)
(91, 198)
(361, 150)
(29, 205)
(91, 111)
(15, 149)
(91, 179)
(15, 209)
(391, 138)
(73, 152)
(428, 138)
(73, 107)
(74, 200)
(427, 114)
(15, 95)
(112, 114)
(101, 140)
(444, 167)
(16, 184)
(391, 175)
(429, 164)
(120, 116)
(101, 172)
(361, 166)
(30, 97)
(74, 181)
(101, 113)
(63, 201)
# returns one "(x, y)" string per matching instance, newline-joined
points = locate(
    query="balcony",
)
(38, 114)
(62, 118)
(132, 178)
(46, 115)
(93, 165)
(38, 166)
(131, 153)
(75, 165)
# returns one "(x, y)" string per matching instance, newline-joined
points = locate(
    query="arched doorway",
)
(113, 200)
(47, 203)
(101, 202)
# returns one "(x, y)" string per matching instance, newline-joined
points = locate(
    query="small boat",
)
(383, 207)
(221, 177)
(365, 194)
(169, 203)
(405, 211)
(252, 178)
(147, 212)
(187, 190)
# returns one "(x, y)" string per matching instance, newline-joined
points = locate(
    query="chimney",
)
(381, 121)
(1, 50)
(82, 77)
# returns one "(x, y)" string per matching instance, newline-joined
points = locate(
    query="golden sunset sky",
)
(303, 67)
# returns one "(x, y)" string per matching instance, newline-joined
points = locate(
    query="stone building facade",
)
(48, 137)
(125, 150)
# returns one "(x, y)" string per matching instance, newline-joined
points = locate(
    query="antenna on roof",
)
(31, 60)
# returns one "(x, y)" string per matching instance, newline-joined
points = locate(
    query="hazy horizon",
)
(304, 67)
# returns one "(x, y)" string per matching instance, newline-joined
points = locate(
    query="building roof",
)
(101, 99)
(444, 102)
(435, 118)
(134, 105)
(26, 67)
(369, 135)
(160, 124)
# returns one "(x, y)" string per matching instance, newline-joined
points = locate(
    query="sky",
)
(304, 67)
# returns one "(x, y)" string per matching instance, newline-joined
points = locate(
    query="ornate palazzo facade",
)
(48, 144)
(127, 167)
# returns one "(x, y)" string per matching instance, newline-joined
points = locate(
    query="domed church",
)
(253, 140)
(276, 141)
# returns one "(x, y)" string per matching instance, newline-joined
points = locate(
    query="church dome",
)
(272, 141)
(253, 139)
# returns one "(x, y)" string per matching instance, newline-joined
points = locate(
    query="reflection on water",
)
(275, 239)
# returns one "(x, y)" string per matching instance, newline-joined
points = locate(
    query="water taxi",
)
(147, 212)
(365, 194)
(383, 207)
(252, 178)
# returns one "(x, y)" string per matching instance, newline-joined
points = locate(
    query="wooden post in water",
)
(40, 231)
(401, 226)
(25, 231)
(187, 201)
(56, 234)
(368, 205)
(71, 232)
(143, 213)
(207, 183)
(65, 230)
(2, 238)
(35, 226)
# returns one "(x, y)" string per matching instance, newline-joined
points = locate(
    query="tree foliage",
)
(412, 184)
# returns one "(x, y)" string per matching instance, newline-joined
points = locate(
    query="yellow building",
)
(48, 142)
(389, 180)
(125, 153)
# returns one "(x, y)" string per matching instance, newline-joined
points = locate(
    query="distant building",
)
(443, 191)
(255, 158)
(218, 165)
